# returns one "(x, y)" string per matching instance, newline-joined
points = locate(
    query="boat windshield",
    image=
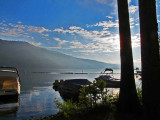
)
(9, 71)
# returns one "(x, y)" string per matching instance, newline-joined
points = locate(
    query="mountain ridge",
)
(22, 54)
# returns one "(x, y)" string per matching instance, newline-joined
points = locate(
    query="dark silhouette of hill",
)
(24, 55)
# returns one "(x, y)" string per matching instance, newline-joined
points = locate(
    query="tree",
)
(128, 100)
(150, 59)
(159, 42)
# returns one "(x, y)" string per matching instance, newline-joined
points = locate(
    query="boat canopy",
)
(9, 69)
(108, 69)
(79, 82)
(8, 83)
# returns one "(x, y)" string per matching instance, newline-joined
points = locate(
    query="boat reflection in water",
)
(69, 89)
(9, 105)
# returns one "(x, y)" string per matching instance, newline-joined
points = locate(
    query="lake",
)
(37, 95)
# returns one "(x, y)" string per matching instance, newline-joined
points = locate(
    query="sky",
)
(80, 28)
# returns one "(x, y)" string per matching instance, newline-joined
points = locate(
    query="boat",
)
(70, 88)
(138, 73)
(107, 76)
(9, 82)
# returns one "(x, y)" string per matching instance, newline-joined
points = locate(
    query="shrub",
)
(68, 107)
(90, 98)
(139, 93)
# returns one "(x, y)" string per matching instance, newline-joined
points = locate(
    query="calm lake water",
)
(37, 95)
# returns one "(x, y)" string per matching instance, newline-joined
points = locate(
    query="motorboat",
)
(107, 76)
(9, 82)
(138, 73)
(70, 88)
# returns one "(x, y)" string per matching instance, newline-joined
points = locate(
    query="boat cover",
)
(8, 83)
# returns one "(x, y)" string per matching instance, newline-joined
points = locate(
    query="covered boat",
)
(9, 82)
(70, 88)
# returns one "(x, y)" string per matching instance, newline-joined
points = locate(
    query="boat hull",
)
(111, 82)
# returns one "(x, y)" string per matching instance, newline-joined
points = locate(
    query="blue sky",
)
(80, 28)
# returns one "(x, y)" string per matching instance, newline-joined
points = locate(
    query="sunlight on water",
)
(37, 95)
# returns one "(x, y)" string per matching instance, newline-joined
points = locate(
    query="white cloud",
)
(131, 20)
(76, 44)
(13, 32)
(94, 47)
(11, 25)
(135, 40)
(110, 17)
(133, 9)
(37, 29)
(108, 44)
(36, 44)
(59, 30)
(45, 35)
(129, 1)
(99, 41)
(74, 28)
(93, 35)
(60, 42)
(17, 30)
(103, 41)
(106, 24)
(134, 22)
(99, 45)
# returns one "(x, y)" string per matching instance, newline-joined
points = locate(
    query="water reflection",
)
(9, 105)
(37, 95)
(66, 96)
(38, 103)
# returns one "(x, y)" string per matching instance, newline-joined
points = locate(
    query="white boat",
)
(107, 76)
(9, 82)
(138, 72)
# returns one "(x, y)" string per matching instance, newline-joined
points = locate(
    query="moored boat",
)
(138, 73)
(9, 82)
(108, 77)
(70, 88)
